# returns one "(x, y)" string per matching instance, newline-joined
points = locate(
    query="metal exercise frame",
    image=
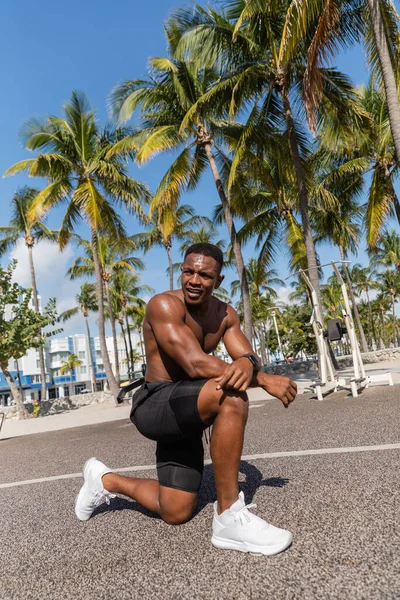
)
(360, 379)
(329, 381)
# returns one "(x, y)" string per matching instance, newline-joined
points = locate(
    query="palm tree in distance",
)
(165, 99)
(69, 365)
(86, 301)
(31, 231)
(363, 279)
(387, 251)
(127, 290)
(389, 284)
(114, 256)
(166, 225)
(86, 168)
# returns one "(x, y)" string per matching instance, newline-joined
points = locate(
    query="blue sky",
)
(47, 50)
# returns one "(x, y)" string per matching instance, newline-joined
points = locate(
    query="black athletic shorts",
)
(168, 413)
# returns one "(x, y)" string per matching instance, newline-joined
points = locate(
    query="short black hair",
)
(207, 250)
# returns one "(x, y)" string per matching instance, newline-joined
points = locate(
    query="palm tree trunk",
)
(128, 362)
(303, 199)
(363, 340)
(387, 72)
(129, 337)
(114, 387)
(262, 345)
(42, 364)
(372, 319)
(23, 413)
(93, 375)
(394, 322)
(237, 250)
(171, 274)
(141, 345)
(114, 332)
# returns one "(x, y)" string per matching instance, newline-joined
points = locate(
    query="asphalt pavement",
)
(328, 471)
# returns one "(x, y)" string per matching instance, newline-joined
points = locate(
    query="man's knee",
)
(212, 401)
(178, 516)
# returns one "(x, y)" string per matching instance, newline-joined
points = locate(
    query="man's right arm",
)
(166, 316)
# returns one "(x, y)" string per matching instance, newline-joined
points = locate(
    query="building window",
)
(83, 370)
(66, 391)
(38, 364)
(79, 387)
(36, 379)
(81, 354)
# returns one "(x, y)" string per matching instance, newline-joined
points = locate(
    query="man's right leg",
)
(234, 526)
(228, 411)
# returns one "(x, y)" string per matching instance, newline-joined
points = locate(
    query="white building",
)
(26, 370)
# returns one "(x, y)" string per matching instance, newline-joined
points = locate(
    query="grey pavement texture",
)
(343, 510)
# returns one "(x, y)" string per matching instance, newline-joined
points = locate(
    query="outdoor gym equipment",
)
(329, 380)
(360, 379)
(273, 310)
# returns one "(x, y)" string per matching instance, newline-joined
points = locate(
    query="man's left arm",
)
(237, 345)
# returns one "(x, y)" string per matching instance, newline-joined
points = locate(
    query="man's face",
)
(200, 276)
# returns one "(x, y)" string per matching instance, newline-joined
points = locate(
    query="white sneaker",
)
(92, 492)
(238, 529)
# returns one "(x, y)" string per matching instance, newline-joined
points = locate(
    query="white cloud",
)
(50, 265)
(283, 294)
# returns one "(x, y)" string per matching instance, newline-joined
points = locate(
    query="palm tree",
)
(389, 283)
(31, 231)
(69, 364)
(127, 289)
(166, 98)
(384, 18)
(387, 251)
(85, 167)
(165, 225)
(262, 294)
(380, 306)
(252, 44)
(363, 281)
(376, 144)
(114, 256)
(339, 222)
(86, 301)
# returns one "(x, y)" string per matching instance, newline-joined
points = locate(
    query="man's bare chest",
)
(209, 331)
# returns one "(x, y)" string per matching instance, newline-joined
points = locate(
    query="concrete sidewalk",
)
(94, 414)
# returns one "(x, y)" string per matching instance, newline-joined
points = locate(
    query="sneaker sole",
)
(224, 544)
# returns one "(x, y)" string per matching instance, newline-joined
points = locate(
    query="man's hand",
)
(236, 376)
(281, 387)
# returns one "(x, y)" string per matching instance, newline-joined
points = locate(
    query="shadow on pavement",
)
(253, 481)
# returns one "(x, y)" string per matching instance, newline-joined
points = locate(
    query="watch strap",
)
(253, 360)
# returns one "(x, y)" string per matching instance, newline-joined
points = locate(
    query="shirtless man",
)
(186, 390)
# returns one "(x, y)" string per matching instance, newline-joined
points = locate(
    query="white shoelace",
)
(243, 515)
(101, 496)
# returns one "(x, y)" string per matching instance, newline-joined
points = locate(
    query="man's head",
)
(201, 272)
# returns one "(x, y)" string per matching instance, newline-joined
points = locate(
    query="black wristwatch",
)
(253, 361)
